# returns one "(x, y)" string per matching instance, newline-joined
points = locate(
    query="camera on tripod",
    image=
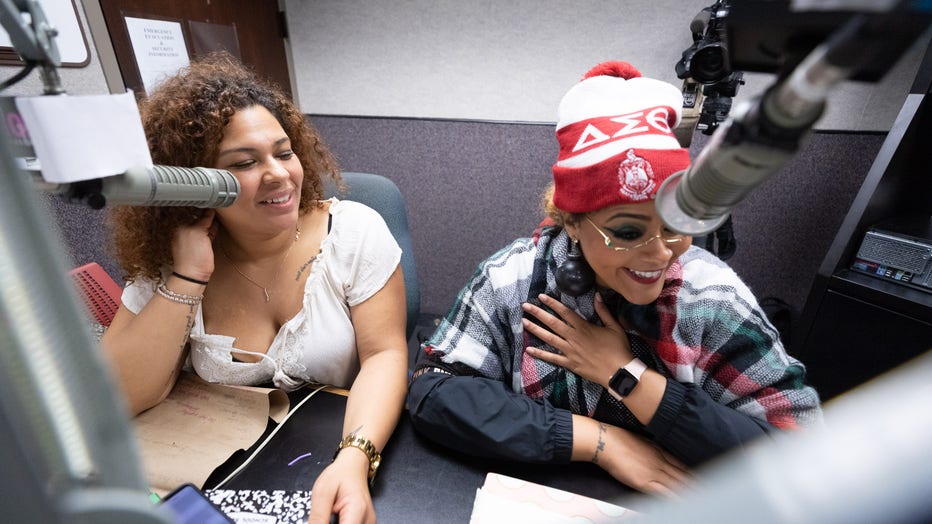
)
(717, 102)
(707, 62)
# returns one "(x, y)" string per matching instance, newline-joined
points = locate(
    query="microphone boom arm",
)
(762, 135)
(34, 41)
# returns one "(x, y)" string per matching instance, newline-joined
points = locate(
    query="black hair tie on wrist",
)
(189, 279)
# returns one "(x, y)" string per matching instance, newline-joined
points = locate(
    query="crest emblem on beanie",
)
(635, 177)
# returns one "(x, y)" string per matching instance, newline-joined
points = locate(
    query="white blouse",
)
(318, 345)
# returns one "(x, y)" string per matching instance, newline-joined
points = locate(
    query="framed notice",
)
(70, 41)
(159, 48)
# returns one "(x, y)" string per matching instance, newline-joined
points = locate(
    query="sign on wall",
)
(159, 48)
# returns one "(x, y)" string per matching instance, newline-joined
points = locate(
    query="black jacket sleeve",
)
(695, 428)
(483, 417)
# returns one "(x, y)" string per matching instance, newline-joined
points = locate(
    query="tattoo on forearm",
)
(354, 432)
(188, 326)
(600, 445)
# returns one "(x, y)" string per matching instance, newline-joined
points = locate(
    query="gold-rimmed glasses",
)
(671, 238)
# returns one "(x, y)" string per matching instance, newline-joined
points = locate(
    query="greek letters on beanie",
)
(615, 130)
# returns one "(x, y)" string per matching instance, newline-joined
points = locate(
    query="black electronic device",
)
(764, 133)
(899, 251)
(190, 506)
(774, 36)
(707, 62)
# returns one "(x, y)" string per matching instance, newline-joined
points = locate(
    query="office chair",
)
(101, 294)
(382, 195)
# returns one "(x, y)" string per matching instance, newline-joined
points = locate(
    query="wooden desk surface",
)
(418, 480)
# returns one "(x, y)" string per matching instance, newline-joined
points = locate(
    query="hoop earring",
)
(574, 276)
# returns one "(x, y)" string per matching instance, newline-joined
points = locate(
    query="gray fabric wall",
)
(472, 187)
(514, 60)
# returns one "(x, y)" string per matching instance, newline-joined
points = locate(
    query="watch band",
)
(636, 367)
(367, 447)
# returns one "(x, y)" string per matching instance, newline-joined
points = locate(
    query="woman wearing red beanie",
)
(605, 337)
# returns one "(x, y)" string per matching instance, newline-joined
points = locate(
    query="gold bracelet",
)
(367, 447)
(181, 298)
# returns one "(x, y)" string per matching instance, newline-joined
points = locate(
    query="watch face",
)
(623, 382)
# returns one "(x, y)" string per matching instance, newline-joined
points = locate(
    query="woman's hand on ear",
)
(192, 247)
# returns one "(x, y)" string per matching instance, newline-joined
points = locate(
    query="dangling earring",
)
(574, 276)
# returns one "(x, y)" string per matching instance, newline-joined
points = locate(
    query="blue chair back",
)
(382, 195)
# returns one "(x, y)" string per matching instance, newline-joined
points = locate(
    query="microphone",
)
(758, 139)
(159, 186)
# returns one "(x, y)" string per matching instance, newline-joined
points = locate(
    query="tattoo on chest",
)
(304, 266)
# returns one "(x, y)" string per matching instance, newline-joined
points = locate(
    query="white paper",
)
(494, 509)
(85, 137)
(503, 500)
(159, 49)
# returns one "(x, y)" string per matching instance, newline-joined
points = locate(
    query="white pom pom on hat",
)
(615, 130)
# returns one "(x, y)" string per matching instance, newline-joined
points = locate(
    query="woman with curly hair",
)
(281, 287)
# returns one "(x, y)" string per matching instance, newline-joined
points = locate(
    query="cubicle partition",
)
(471, 187)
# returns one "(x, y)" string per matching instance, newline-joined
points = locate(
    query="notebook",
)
(249, 506)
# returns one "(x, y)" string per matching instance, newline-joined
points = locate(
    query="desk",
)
(418, 481)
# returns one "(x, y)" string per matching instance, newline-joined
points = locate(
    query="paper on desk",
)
(84, 137)
(199, 426)
(504, 500)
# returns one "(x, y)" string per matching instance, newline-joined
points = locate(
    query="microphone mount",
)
(762, 135)
(33, 40)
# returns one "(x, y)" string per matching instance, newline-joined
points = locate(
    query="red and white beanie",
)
(615, 130)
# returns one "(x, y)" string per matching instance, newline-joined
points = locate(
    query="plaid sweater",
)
(705, 332)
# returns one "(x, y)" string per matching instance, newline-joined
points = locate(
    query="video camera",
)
(708, 62)
(707, 59)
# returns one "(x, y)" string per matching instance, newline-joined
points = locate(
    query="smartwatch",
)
(626, 378)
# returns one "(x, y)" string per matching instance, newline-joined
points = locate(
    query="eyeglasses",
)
(671, 238)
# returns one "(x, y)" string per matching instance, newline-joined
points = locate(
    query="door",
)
(252, 30)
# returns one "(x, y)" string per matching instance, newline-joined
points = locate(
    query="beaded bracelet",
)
(181, 298)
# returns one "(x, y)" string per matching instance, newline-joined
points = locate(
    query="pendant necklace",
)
(265, 288)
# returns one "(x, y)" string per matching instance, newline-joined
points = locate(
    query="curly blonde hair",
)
(184, 119)
(560, 217)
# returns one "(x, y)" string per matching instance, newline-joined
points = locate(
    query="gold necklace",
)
(265, 288)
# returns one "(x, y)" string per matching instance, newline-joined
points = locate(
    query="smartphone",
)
(191, 506)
